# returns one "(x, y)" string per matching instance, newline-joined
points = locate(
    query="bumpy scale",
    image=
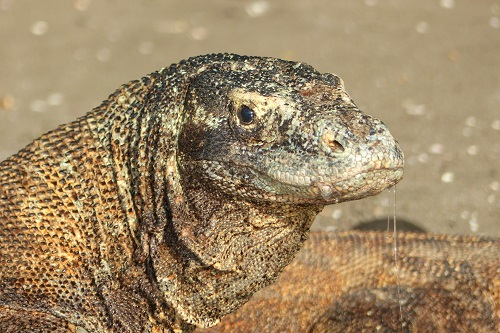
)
(184, 193)
(354, 281)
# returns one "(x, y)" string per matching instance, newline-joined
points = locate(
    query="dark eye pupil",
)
(246, 115)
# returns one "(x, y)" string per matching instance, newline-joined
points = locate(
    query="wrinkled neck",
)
(217, 251)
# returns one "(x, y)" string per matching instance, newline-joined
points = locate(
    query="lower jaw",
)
(323, 193)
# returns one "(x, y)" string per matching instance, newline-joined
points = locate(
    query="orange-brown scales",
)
(353, 281)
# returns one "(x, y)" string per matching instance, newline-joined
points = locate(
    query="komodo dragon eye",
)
(246, 115)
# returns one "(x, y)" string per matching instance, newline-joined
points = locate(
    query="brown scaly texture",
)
(353, 282)
(179, 197)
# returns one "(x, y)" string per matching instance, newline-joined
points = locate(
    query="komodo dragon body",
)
(179, 197)
(353, 281)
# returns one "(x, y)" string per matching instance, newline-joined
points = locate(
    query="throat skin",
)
(216, 253)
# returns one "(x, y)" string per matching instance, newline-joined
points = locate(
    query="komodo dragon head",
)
(274, 131)
(262, 146)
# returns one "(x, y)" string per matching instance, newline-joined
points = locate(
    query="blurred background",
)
(429, 69)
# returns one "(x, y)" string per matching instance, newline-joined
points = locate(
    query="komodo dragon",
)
(179, 197)
(352, 281)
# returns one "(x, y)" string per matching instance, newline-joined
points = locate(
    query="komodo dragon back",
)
(353, 281)
(185, 192)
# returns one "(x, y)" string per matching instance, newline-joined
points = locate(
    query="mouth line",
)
(313, 181)
(329, 189)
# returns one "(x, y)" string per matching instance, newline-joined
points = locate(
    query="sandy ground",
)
(429, 69)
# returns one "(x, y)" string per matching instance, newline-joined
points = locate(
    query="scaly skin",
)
(353, 281)
(179, 197)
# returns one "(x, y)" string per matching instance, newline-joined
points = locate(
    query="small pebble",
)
(496, 124)
(81, 5)
(448, 4)
(471, 121)
(199, 33)
(257, 8)
(39, 28)
(472, 150)
(55, 99)
(495, 186)
(337, 214)
(448, 177)
(473, 223)
(423, 158)
(413, 108)
(371, 3)
(436, 148)
(495, 22)
(38, 105)
(422, 27)
(474, 226)
(7, 102)
(491, 199)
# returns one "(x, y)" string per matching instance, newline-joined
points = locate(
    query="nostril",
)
(331, 143)
(336, 146)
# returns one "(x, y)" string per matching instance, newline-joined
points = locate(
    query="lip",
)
(337, 192)
(322, 192)
(320, 180)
